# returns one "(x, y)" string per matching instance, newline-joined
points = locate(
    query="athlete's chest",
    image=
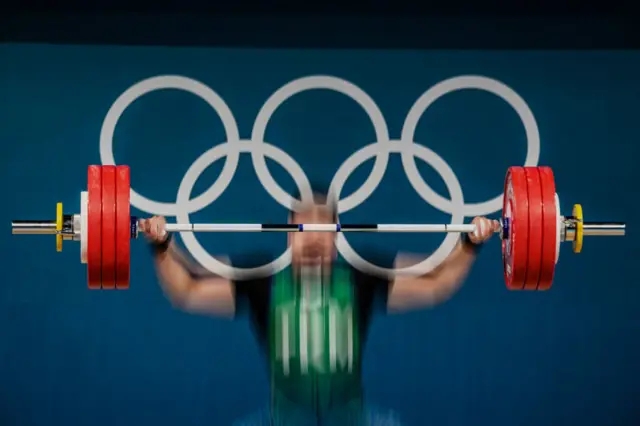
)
(314, 323)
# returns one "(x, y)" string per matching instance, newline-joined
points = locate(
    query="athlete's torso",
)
(314, 337)
(312, 327)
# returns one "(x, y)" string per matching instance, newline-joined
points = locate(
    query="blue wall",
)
(489, 356)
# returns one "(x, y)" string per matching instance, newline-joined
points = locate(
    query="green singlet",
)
(312, 326)
(314, 341)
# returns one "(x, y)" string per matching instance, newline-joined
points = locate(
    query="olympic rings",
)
(258, 148)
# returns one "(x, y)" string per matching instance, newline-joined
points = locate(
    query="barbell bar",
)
(531, 227)
(48, 227)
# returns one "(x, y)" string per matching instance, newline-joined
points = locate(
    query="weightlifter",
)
(312, 319)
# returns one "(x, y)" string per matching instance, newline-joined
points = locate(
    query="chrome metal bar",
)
(33, 227)
(315, 227)
(604, 229)
(595, 229)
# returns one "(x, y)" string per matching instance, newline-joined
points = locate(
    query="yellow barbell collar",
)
(577, 214)
(59, 220)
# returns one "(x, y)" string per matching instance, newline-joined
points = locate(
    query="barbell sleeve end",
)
(604, 229)
(33, 227)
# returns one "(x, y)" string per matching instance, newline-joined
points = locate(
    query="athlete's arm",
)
(209, 295)
(407, 293)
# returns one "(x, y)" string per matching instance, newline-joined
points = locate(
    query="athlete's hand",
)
(153, 229)
(485, 228)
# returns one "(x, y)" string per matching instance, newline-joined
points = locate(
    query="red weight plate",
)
(94, 227)
(516, 212)
(549, 228)
(123, 227)
(535, 229)
(108, 227)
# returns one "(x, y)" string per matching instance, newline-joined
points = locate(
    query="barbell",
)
(531, 227)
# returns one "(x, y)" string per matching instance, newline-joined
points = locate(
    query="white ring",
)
(453, 186)
(435, 93)
(202, 91)
(189, 238)
(330, 83)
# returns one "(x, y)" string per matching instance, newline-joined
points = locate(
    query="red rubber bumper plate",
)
(123, 227)
(94, 227)
(108, 227)
(534, 256)
(516, 213)
(549, 228)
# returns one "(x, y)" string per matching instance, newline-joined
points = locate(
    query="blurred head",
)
(314, 247)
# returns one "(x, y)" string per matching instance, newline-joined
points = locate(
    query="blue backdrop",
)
(488, 356)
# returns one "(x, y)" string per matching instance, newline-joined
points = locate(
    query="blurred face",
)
(309, 248)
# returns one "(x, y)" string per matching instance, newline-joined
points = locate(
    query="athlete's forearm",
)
(435, 287)
(190, 288)
(175, 279)
(449, 276)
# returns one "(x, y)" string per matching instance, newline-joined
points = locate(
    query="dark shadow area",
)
(326, 31)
